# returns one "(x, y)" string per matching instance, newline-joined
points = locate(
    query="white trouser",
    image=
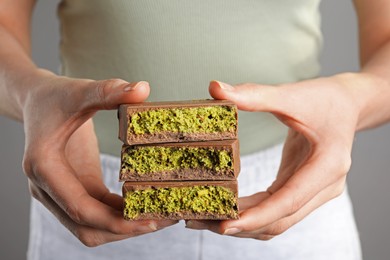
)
(328, 233)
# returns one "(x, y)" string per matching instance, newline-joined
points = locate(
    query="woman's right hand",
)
(61, 156)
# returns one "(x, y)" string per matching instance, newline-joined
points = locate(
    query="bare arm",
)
(16, 66)
(323, 115)
(56, 113)
(374, 40)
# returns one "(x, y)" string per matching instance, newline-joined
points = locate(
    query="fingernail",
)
(224, 86)
(232, 231)
(133, 86)
(195, 225)
(152, 226)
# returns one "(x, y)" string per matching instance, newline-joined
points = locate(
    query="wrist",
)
(21, 88)
(371, 94)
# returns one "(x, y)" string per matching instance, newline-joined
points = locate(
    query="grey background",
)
(368, 179)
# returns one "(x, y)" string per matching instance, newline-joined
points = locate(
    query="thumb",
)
(248, 97)
(109, 94)
(282, 101)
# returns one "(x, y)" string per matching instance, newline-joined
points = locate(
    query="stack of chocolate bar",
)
(180, 160)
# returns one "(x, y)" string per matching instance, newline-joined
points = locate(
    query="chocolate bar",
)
(213, 160)
(215, 200)
(180, 121)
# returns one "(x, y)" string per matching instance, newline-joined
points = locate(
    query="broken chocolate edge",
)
(125, 111)
(231, 145)
(231, 185)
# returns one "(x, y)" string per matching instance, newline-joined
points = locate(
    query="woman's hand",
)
(322, 115)
(61, 156)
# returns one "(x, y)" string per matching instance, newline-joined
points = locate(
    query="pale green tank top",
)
(178, 46)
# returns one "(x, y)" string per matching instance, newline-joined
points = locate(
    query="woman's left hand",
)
(322, 116)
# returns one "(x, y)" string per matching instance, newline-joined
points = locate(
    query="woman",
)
(172, 50)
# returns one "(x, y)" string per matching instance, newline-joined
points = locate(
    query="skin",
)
(323, 115)
(56, 112)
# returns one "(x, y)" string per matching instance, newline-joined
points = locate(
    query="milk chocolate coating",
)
(125, 112)
(232, 146)
(230, 185)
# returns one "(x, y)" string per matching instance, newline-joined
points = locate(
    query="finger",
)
(248, 97)
(91, 236)
(109, 94)
(278, 227)
(252, 200)
(321, 198)
(74, 199)
(282, 225)
(282, 101)
(94, 186)
(286, 99)
(295, 153)
(244, 202)
(113, 200)
(319, 172)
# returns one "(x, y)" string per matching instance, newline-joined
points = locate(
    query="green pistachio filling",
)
(212, 119)
(195, 199)
(143, 160)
